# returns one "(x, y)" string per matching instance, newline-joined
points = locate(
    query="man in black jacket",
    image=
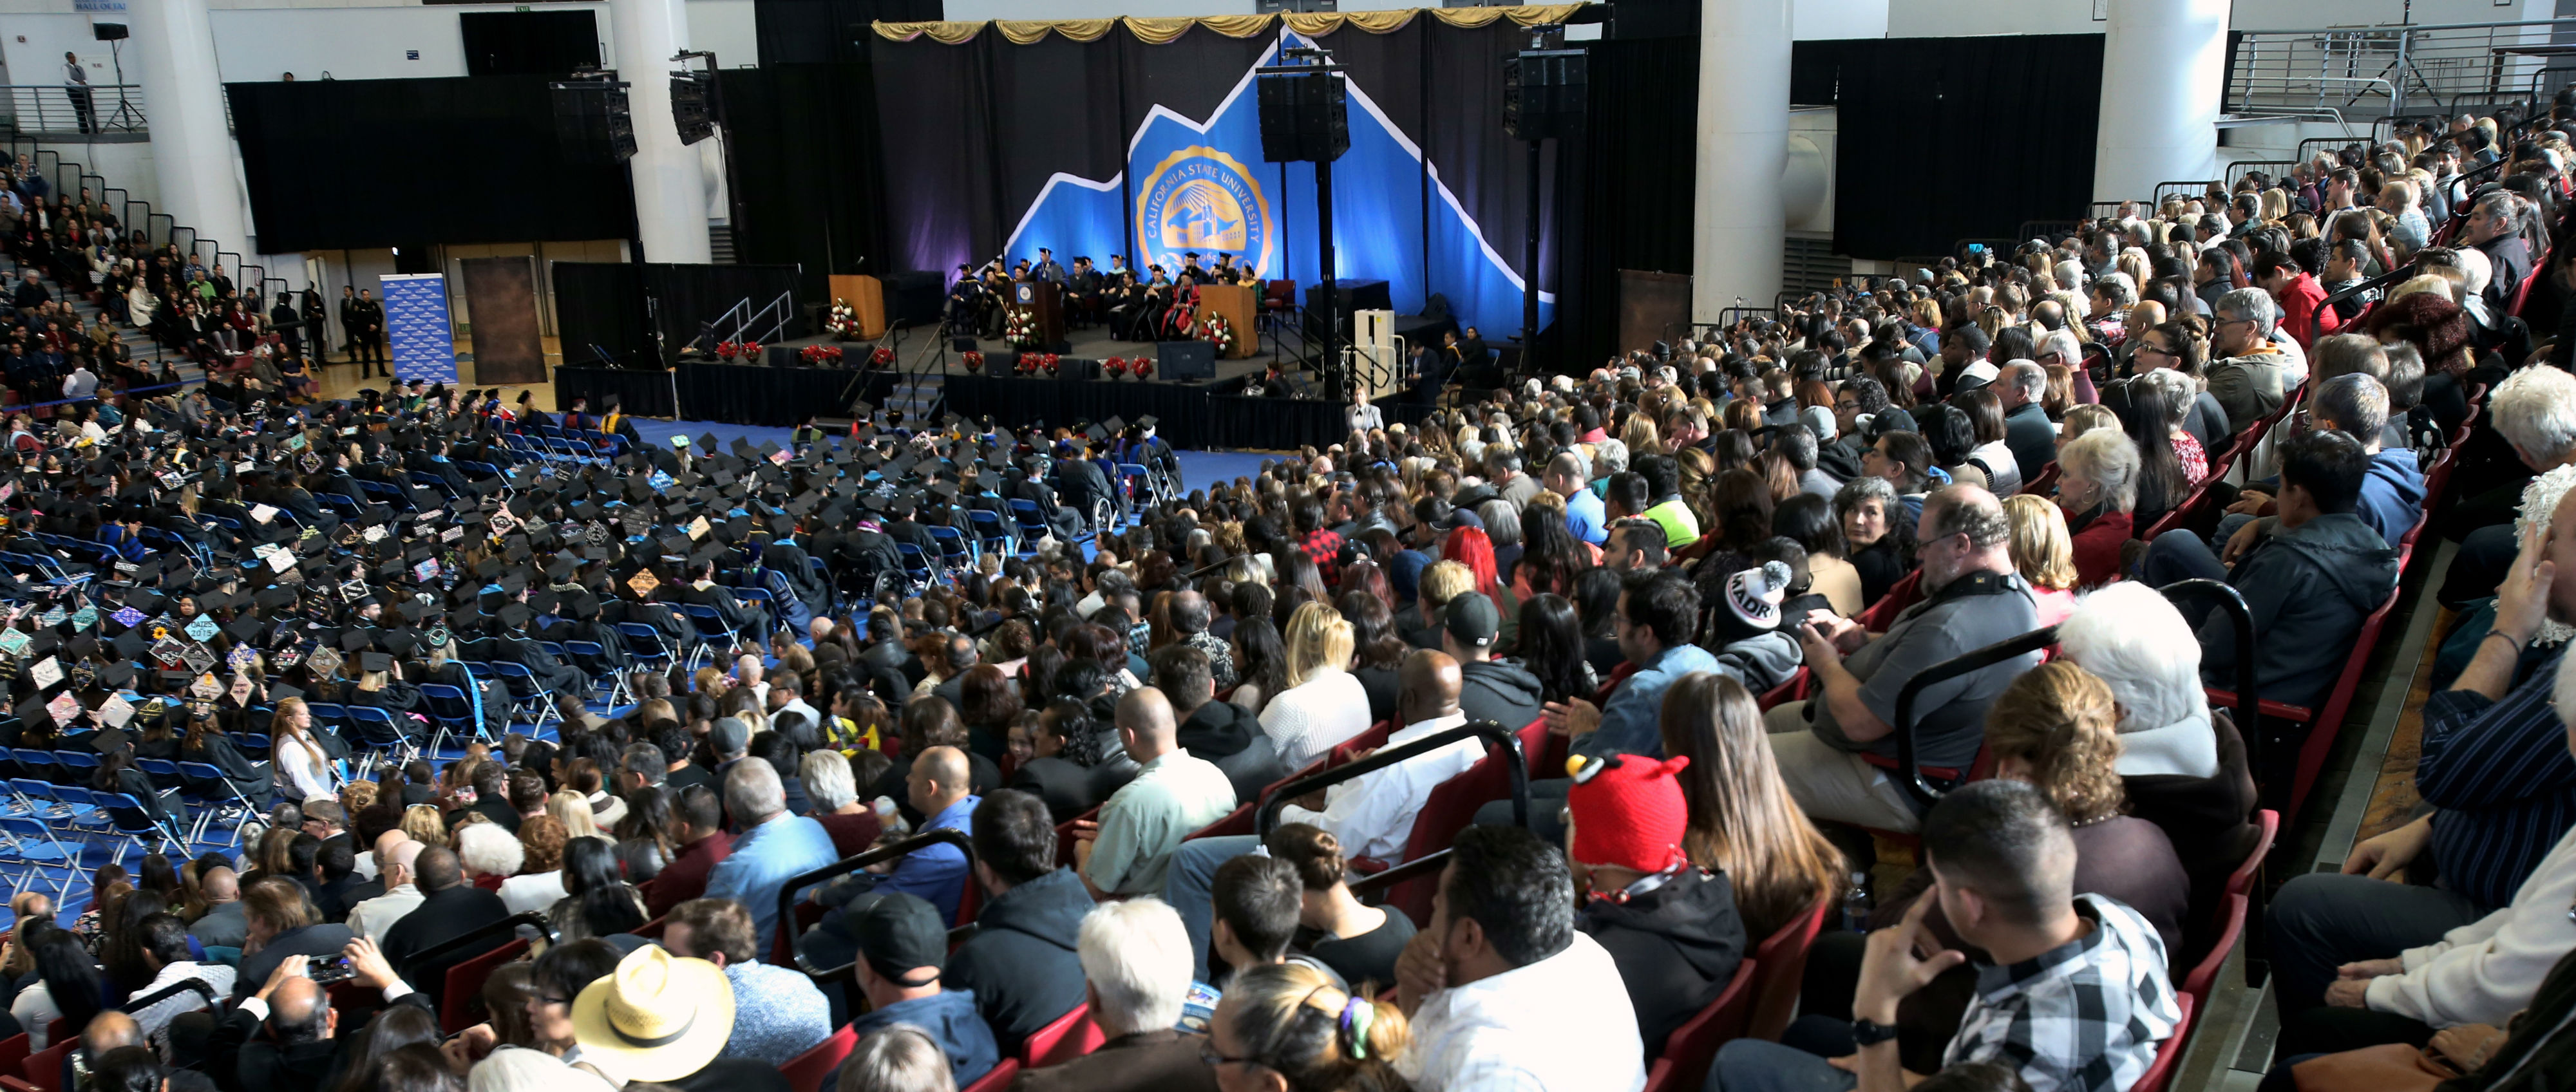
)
(1224, 733)
(283, 926)
(449, 908)
(1021, 962)
(1670, 927)
(1501, 691)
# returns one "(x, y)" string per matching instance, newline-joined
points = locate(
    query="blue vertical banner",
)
(424, 346)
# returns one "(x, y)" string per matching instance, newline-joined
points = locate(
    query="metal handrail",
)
(48, 108)
(508, 926)
(1492, 732)
(796, 884)
(1909, 768)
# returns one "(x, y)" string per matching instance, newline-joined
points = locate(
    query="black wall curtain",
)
(1988, 131)
(1480, 163)
(935, 124)
(684, 297)
(602, 304)
(806, 158)
(301, 145)
(1629, 193)
(826, 31)
(1055, 108)
(528, 43)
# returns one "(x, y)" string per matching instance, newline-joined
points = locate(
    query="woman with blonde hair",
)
(2041, 553)
(1742, 821)
(1640, 435)
(1290, 1022)
(425, 825)
(303, 772)
(572, 809)
(1324, 703)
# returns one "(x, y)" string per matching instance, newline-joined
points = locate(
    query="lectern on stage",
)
(1044, 301)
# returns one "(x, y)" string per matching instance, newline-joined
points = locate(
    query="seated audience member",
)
(1972, 598)
(777, 1012)
(899, 1058)
(1255, 901)
(834, 791)
(1373, 814)
(1358, 942)
(1501, 989)
(1501, 691)
(1669, 925)
(1742, 824)
(1221, 732)
(1135, 967)
(2251, 370)
(1074, 761)
(283, 925)
(1021, 962)
(2071, 991)
(902, 948)
(2310, 576)
(375, 917)
(1171, 798)
(2133, 639)
(697, 828)
(449, 908)
(180, 984)
(1291, 1021)
(2363, 961)
(2043, 554)
(654, 1016)
(1324, 703)
(772, 847)
(67, 982)
(2097, 486)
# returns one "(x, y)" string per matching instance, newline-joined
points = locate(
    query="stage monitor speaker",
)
(914, 298)
(961, 344)
(1305, 117)
(107, 32)
(781, 356)
(693, 105)
(1076, 368)
(1185, 360)
(1543, 93)
(592, 121)
(999, 362)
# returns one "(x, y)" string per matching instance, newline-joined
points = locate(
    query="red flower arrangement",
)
(882, 357)
(1048, 361)
(1142, 366)
(974, 362)
(1025, 364)
(738, 350)
(1115, 366)
(820, 356)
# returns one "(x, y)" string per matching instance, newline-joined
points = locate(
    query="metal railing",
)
(54, 108)
(740, 320)
(2392, 71)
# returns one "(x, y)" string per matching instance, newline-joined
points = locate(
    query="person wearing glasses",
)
(2252, 369)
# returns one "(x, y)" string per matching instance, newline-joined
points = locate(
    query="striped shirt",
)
(2501, 774)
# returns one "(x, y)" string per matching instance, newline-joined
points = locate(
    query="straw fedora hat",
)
(656, 1018)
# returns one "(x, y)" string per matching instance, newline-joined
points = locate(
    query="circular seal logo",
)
(1201, 199)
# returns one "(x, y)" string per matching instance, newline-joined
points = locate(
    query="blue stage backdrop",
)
(424, 346)
(1116, 146)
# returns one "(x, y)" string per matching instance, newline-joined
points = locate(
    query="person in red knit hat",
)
(1671, 927)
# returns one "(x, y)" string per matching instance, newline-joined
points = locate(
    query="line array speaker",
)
(1543, 93)
(1305, 117)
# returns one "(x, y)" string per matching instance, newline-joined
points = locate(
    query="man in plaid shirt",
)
(1320, 544)
(2072, 993)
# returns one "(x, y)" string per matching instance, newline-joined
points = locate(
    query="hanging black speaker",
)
(1305, 117)
(107, 32)
(592, 123)
(1543, 93)
(693, 105)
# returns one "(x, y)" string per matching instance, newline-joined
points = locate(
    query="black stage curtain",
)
(827, 31)
(639, 393)
(1193, 417)
(1464, 141)
(1630, 194)
(806, 153)
(463, 160)
(943, 195)
(602, 304)
(685, 297)
(1997, 130)
(746, 394)
(1055, 108)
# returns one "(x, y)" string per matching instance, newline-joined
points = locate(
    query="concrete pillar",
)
(670, 185)
(1743, 148)
(2164, 63)
(192, 148)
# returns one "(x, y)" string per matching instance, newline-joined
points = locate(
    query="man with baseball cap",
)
(730, 739)
(903, 948)
(1669, 925)
(1501, 691)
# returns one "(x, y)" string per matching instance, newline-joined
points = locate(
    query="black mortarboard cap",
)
(117, 675)
(275, 597)
(355, 638)
(515, 615)
(562, 566)
(132, 643)
(375, 661)
(245, 628)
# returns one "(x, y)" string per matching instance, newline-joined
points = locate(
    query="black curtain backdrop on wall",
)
(528, 43)
(805, 149)
(602, 304)
(1463, 139)
(1629, 193)
(418, 184)
(940, 193)
(1997, 130)
(1055, 109)
(822, 31)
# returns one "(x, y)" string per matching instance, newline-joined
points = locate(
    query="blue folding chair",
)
(956, 551)
(77, 765)
(706, 628)
(377, 729)
(32, 843)
(1032, 526)
(125, 818)
(206, 773)
(525, 695)
(592, 658)
(990, 534)
(644, 645)
(915, 563)
(452, 712)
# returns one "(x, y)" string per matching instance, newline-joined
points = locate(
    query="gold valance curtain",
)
(1162, 31)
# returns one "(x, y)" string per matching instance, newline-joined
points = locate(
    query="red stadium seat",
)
(999, 1078)
(1072, 1035)
(1693, 1046)
(1783, 958)
(2170, 1053)
(463, 996)
(805, 1072)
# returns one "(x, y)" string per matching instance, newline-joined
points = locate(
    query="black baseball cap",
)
(900, 934)
(1472, 619)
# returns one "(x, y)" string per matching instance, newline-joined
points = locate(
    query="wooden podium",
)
(866, 296)
(1240, 304)
(1045, 301)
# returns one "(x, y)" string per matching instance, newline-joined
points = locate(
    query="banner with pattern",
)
(424, 347)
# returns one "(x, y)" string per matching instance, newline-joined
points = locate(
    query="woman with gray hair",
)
(901, 1058)
(1503, 528)
(2097, 485)
(1879, 542)
(2133, 639)
(834, 791)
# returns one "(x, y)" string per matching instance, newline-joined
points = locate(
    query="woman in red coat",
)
(2097, 485)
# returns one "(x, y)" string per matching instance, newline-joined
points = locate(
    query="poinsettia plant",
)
(974, 362)
(1020, 328)
(1215, 329)
(1115, 366)
(821, 356)
(843, 322)
(883, 357)
(1048, 362)
(1142, 366)
(738, 350)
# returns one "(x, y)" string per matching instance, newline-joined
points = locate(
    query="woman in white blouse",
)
(1323, 704)
(303, 771)
(539, 884)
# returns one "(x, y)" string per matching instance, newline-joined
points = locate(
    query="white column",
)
(670, 186)
(1743, 148)
(2164, 63)
(192, 154)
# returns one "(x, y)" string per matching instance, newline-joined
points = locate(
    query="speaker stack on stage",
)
(1305, 117)
(693, 105)
(1543, 93)
(1185, 361)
